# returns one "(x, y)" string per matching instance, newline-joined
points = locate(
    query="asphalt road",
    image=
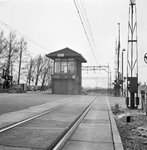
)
(15, 102)
(39, 133)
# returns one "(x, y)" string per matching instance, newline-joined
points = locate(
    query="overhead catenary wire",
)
(86, 22)
(11, 28)
(80, 16)
(89, 27)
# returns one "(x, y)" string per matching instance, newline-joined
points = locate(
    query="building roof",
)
(66, 53)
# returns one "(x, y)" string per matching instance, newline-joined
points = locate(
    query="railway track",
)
(3, 129)
(48, 130)
(59, 143)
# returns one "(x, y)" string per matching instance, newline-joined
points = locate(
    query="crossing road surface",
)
(66, 122)
(15, 102)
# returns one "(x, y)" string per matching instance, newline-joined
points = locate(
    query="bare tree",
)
(39, 62)
(46, 72)
(22, 51)
(12, 46)
(3, 49)
(30, 71)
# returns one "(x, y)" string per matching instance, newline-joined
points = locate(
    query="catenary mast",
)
(132, 99)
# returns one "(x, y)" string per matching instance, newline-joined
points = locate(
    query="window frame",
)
(67, 60)
(57, 60)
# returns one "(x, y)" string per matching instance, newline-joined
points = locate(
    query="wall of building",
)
(78, 78)
(64, 86)
(67, 83)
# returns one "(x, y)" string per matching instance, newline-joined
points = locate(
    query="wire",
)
(92, 36)
(85, 31)
(82, 10)
(7, 26)
(87, 20)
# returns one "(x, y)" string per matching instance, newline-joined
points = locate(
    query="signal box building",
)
(67, 78)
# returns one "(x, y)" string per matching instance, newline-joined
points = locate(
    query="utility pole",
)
(123, 72)
(118, 50)
(117, 80)
(132, 99)
(115, 60)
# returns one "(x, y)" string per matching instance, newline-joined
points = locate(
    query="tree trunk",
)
(36, 82)
(43, 80)
(19, 65)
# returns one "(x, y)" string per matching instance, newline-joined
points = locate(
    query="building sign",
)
(60, 55)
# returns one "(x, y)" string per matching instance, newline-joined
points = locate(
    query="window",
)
(57, 65)
(75, 65)
(64, 66)
(71, 67)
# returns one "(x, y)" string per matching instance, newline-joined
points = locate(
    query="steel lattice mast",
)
(132, 99)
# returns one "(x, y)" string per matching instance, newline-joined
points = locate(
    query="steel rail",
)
(61, 140)
(3, 129)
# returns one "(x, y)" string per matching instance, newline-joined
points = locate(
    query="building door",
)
(56, 86)
(63, 87)
(71, 86)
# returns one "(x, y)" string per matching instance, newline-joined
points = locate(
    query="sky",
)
(55, 24)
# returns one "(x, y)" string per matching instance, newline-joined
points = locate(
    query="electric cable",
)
(89, 27)
(85, 31)
(9, 27)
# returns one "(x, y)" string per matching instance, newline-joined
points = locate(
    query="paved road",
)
(15, 102)
(39, 133)
(94, 133)
(98, 131)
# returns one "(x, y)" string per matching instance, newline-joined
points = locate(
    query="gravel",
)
(134, 133)
(133, 138)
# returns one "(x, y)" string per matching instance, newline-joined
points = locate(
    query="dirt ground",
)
(132, 129)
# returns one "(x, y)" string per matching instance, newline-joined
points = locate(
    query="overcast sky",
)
(55, 24)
